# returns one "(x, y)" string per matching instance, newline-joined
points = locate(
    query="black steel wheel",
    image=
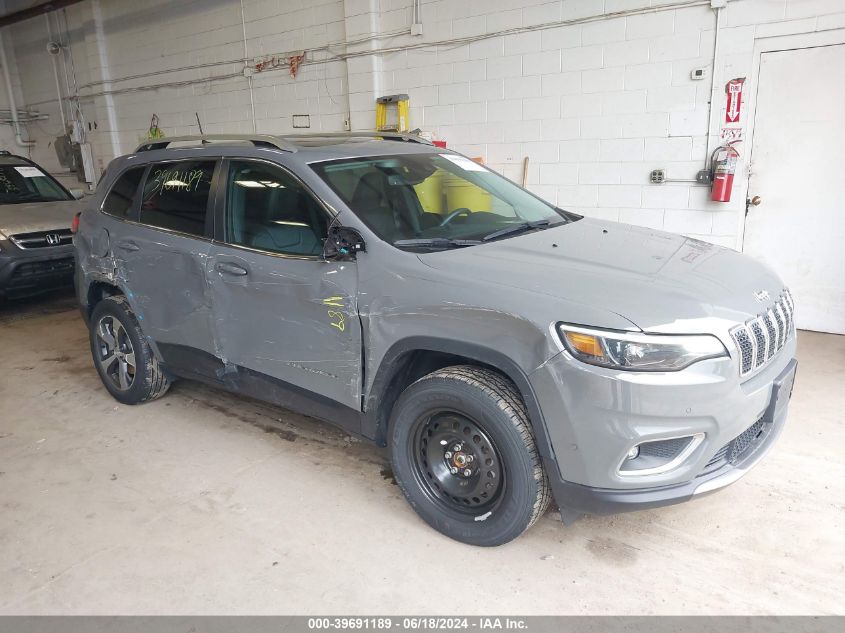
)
(456, 462)
(464, 455)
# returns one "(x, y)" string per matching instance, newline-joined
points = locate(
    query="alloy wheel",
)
(116, 355)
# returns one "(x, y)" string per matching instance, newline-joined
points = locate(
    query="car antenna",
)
(199, 125)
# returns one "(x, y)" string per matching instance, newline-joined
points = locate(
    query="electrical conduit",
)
(13, 108)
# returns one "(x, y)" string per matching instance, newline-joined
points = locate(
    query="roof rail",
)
(285, 142)
(408, 137)
(256, 139)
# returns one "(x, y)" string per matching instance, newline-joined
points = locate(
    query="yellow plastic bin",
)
(461, 193)
(430, 192)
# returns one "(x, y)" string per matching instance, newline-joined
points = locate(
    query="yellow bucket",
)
(461, 193)
(430, 192)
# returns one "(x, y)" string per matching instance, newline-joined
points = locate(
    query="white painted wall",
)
(595, 106)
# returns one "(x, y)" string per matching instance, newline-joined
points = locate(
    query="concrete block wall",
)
(116, 41)
(595, 105)
(7, 134)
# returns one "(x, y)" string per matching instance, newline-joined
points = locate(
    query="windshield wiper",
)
(436, 242)
(515, 228)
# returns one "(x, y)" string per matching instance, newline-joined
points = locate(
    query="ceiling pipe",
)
(35, 11)
(53, 49)
(13, 108)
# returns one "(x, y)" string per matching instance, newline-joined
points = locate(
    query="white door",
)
(798, 170)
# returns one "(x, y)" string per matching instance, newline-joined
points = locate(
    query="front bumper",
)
(594, 418)
(24, 272)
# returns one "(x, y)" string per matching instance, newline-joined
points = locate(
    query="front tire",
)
(464, 455)
(122, 355)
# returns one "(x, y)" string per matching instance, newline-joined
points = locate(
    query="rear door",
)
(161, 258)
(280, 309)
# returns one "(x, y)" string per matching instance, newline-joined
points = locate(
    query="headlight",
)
(638, 352)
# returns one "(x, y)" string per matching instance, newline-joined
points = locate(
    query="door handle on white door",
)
(749, 202)
(231, 269)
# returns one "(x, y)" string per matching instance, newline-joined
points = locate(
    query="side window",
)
(269, 210)
(176, 195)
(118, 202)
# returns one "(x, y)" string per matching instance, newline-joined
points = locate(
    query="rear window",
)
(176, 195)
(119, 200)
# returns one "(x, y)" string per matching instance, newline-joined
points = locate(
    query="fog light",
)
(633, 453)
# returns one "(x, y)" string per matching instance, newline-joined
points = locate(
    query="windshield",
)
(27, 183)
(435, 200)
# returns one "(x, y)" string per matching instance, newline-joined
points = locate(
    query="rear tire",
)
(464, 455)
(122, 355)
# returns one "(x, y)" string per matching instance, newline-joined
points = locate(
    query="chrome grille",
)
(771, 334)
(760, 338)
(42, 239)
(759, 341)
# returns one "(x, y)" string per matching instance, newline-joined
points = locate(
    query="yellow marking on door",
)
(338, 320)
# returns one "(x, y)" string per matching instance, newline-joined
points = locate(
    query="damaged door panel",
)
(292, 319)
(169, 291)
(163, 260)
(280, 309)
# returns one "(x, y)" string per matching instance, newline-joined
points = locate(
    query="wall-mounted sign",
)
(730, 134)
(733, 107)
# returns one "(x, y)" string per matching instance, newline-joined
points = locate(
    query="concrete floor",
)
(204, 502)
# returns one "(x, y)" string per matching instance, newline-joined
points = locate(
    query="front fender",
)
(374, 425)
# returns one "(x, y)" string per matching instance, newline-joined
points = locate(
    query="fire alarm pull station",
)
(722, 170)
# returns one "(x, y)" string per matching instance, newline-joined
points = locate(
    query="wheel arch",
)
(99, 289)
(413, 357)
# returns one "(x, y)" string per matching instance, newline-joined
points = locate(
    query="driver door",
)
(280, 310)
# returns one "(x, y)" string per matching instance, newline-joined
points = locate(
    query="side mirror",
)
(343, 242)
(77, 193)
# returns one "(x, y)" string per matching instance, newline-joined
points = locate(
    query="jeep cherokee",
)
(506, 351)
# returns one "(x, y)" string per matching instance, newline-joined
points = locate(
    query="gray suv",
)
(506, 351)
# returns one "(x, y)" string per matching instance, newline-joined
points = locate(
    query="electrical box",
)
(77, 132)
(697, 74)
(658, 176)
(88, 163)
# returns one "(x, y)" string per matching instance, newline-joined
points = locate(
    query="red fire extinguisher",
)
(722, 170)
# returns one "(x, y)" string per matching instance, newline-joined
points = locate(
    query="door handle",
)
(752, 202)
(128, 246)
(231, 269)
